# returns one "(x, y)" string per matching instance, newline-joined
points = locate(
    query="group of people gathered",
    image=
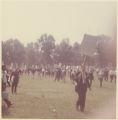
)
(11, 79)
(82, 76)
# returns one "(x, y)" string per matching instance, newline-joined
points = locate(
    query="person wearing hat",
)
(81, 87)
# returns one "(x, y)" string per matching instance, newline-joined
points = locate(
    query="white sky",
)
(26, 21)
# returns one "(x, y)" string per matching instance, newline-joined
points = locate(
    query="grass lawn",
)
(44, 98)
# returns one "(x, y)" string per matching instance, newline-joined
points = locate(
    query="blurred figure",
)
(100, 77)
(91, 77)
(5, 96)
(81, 87)
(15, 75)
(4, 76)
(106, 72)
(115, 76)
(111, 75)
(8, 78)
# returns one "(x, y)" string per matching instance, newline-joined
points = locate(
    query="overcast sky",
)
(26, 21)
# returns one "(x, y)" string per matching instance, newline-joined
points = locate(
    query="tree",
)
(47, 46)
(76, 54)
(63, 52)
(13, 52)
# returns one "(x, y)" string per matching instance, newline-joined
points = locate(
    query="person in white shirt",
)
(100, 77)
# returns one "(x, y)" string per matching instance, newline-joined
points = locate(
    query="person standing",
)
(4, 76)
(115, 76)
(8, 76)
(81, 87)
(111, 75)
(15, 81)
(100, 77)
(106, 72)
(91, 77)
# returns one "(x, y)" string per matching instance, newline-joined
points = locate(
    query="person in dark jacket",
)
(15, 81)
(91, 77)
(106, 73)
(81, 87)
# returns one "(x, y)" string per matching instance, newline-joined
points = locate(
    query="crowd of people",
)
(82, 76)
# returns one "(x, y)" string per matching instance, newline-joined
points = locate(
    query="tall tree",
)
(76, 60)
(64, 52)
(47, 46)
(13, 52)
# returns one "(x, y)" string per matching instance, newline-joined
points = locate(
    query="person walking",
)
(81, 87)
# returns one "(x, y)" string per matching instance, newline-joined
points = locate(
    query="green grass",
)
(44, 98)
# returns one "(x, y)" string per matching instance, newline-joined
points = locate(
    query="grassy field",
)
(44, 98)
